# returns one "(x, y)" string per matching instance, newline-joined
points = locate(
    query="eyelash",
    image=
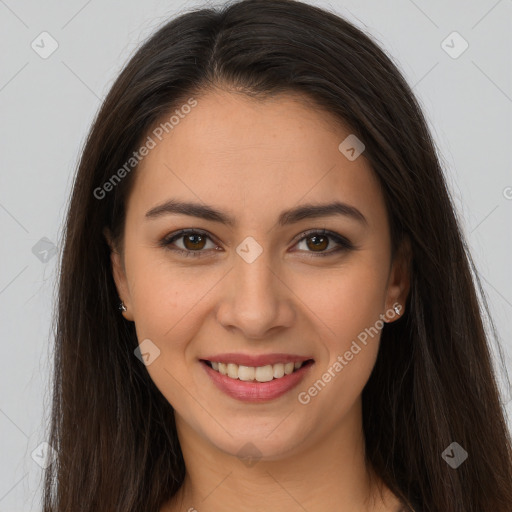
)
(344, 244)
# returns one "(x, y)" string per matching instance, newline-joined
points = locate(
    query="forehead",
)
(252, 155)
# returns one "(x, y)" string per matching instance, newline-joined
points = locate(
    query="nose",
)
(256, 300)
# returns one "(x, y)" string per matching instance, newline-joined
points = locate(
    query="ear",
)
(119, 275)
(399, 282)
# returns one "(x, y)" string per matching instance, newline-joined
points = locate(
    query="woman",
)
(265, 298)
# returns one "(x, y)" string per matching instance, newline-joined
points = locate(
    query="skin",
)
(254, 159)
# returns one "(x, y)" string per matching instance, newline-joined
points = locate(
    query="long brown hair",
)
(433, 382)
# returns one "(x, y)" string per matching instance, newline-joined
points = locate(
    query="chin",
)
(263, 440)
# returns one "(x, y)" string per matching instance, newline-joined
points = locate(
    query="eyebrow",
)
(287, 217)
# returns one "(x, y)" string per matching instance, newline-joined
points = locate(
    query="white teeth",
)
(260, 374)
(278, 370)
(264, 373)
(245, 372)
(233, 370)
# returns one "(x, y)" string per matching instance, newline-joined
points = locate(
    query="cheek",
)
(168, 301)
(345, 300)
(347, 305)
(166, 295)
(171, 303)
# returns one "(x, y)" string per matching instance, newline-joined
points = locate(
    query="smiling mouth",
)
(265, 373)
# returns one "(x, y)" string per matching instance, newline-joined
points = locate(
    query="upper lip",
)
(256, 360)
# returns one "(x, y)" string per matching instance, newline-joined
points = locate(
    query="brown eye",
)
(189, 242)
(317, 243)
(194, 241)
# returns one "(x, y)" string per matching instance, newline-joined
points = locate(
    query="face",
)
(258, 279)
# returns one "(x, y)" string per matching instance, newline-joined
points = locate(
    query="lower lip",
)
(251, 391)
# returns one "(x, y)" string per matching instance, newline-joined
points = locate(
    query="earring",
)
(122, 307)
(397, 309)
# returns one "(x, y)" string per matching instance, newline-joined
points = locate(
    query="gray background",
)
(47, 106)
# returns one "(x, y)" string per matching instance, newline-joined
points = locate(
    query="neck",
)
(330, 474)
